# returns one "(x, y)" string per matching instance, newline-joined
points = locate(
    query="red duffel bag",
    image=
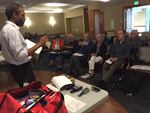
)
(34, 98)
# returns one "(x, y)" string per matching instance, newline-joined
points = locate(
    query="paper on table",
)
(85, 75)
(60, 81)
(31, 44)
(141, 67)
(53, 52)
(78, 54)
(73, 104)
(109, 61)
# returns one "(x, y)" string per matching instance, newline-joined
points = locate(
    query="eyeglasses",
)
(84, 91)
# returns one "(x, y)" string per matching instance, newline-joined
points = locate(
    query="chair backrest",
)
(144, 54)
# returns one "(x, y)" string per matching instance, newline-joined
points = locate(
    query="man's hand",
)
(43, 40)
(113, 59)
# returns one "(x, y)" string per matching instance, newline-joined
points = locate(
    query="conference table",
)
(85, 103)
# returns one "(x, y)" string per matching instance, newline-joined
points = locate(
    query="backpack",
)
(129, 84)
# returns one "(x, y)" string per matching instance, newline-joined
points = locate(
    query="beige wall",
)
(40, 23)
(113, 13)
(74, 13)
(68, 25)
(77, 24)
(2, 20)
(113, 17)
(75, 19)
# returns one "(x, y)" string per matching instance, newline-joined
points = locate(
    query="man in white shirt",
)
(14, 47)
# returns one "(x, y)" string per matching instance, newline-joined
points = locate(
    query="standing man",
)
(14, 47)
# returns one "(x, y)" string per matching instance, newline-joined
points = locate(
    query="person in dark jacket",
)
(136, 43)
(80, 57)
(119, 52)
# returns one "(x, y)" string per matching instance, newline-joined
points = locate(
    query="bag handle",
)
(33, 104)
(57, 110)
(1, 104)
(36, 101)
(60, 103)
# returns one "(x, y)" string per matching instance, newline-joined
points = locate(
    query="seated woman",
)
(97, 55)
(57, 45)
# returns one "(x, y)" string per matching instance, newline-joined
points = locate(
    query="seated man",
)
(86, 46)
(71, 43)
(97, 55)
(136, 43)
(120, 51)
(107, 41)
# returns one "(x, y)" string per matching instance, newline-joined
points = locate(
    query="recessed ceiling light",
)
(104, 0)
(57, 10)
(74, 7)
(56, 4)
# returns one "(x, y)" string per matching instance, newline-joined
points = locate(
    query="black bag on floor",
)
(129, 84)
(59, 61)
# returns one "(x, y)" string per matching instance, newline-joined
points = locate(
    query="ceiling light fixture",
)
(74, 7)
(56, 4)
(57, 10)
(104, 0)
